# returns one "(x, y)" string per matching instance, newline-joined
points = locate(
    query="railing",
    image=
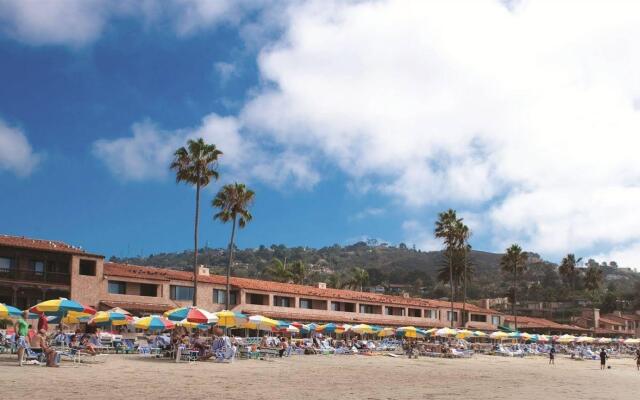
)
(35, 276)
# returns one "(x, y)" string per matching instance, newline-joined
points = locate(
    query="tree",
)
(298, 272)
(335, 281)
(463, 235)
(278, 271)
(359, 278)
(514, 262)
(568, 270)
(447, 229)
(234, 201)
(196, 165)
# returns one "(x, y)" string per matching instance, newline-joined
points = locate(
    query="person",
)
(283, 345)
(638, 359)
(552, 355)
(43, 323)
(603, 359)
(88, 346)
(39, 341)
(22, 332)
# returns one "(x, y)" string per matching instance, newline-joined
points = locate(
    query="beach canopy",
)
(154, 323)
(362, 328)
(230, 319)
(110, 318)
(9, 311)
(499, 335)
(191, 314)
(261, 323)
(543, 338)
(60, 307)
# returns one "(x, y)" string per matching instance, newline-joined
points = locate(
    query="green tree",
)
(196, 165)
(447, 229)
(569, 271)
(299, 272)
(359, 279)
(514, 262)
(278, 271)
(234, 201)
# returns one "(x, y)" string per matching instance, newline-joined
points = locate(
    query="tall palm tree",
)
(234, 201)
(592, 282)
(568, 270)
(196, 165)
(463, 235)
(298, 271)
(446, 227)
(278, 271)
(359, 278)
(514, 262)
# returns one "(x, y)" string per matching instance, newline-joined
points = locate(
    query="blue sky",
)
(348, 119)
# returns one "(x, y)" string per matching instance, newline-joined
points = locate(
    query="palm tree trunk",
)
(233, 235)
(464, 289)
(451, 281)
(195, 245)
(515, 283)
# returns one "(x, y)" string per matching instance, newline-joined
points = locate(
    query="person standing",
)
(21, 333)
(43, 323)
(638, 359)
(603, 359)
(552, 355)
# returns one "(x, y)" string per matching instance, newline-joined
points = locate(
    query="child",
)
(552, 356)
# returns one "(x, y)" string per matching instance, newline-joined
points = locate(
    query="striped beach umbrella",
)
(444, 332)
(292, 329)
(191, 314)
(260, 323)
(192, 325)
(410, 332)
(230, 319)
(9, 311)
(327, 328)
(566, 339)
(604, 340)
(362, 329)
(479, 334)
(60, 307)
(499, 335)
(585, 339)
(154, 323)
(385, 332)
(109, 318)
(463, 333)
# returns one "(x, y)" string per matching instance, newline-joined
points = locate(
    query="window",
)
(455, 316)
(37, 267)
(415, 312)
(367, 309)
(147, 289)
(280, 301)
(478, 318)
(495, 320)
(88, 267)
(6, 264)
(306, 303)
(181, 292)
(433, 314)
(258, 299)
(117, 287)
(220, 295)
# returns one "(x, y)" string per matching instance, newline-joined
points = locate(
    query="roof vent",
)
(405, 295)
(322, 285)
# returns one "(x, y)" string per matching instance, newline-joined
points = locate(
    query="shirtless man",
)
(39, 341)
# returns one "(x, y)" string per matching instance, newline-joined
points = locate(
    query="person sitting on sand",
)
(39, 342)
(88, 346)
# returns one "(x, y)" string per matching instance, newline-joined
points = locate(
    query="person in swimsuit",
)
(603, 359)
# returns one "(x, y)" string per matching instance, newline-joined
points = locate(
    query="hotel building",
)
(32, 270)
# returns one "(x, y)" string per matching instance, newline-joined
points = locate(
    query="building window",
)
(6, 264)
(455, 316)
(147, 289)
(258, 299)
(37, 267)
(88, 267)
(306, 303)
(181, 292)
(367, 309)
(220, 296)
(280, 301)
(415, 312)
(495, 320)
(433, 314)
(117, 287)
(478, 318)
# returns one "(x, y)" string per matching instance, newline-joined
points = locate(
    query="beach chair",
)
(35, 354)
(225, 354)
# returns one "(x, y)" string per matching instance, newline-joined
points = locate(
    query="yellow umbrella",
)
(362, 328)
(230, 319)
(411, 332)
(566, 339)
(443, 332)
(585, 339)
(261, 323)
(479, 334)
(463, 333)
(499, 335)
(384, 332)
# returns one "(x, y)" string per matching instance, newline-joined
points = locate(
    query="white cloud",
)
(368, 212)
(225, 71)
(416, 233)
(535, 129)
(16, 154)
(148, 152)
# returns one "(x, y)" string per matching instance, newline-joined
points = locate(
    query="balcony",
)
(34, 276)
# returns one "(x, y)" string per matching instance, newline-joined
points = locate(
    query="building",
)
(614, 324)
(32, 270)
(541, 325)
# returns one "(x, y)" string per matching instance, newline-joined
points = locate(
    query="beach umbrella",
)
(543, 338)
(110, 318)
(566, 339)
(192, 325)
(443, 332)
(230, 319)
(585, 339)
(261, 323)
(604, 340)
(410, 332)
(60, 307)
(72, 317)
(499, 335)
(632, 341)
(312, 327)
(463, 333)
(514, 335)
(327, 328)
(154, 323)
(9, 311)
(120, 310)
(384, 332)
(479, 334)
(362, 329)
(342, 328)
(191, 314)
(292, 329)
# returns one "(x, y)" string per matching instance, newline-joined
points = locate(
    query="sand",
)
(324, 377)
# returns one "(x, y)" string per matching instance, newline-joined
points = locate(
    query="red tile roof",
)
(134, 271)
(612, 319)
(39, 244)
(541, 323)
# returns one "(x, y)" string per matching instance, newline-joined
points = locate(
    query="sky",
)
(349, 119)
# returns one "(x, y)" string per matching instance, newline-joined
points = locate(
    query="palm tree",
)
(196, 165)
(592, 282)
(298, 271)
(234, 201)
(463, 235)
(446, 227)
(335, 281)
(568, 270)
(514, 262)
(278, 271)
(359, 278)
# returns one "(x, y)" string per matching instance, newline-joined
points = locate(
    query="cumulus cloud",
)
(419, 235)
(16, 154)
(147, 153)
(534, 129)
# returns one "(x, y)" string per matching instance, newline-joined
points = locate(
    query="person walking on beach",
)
(21, 333)
(638, 359)
(552, 355)
(603, 359)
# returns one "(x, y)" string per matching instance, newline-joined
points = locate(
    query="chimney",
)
(618, 313)
(485, 303)
(596, 318)
(202, 270)
(322, 285)
(405, 295)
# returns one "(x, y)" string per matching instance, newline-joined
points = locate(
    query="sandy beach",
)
(324, 377)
